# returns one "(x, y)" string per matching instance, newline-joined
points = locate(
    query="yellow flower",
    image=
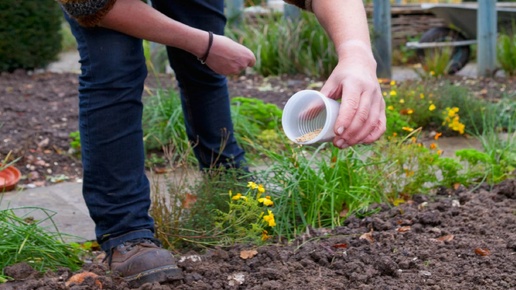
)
(437, 135)
(265, 235)
(439, 152)
(266, 201)
(261, 189)
(432, 73)
(238, 196)
(384, 94)
(422, 96)
(390, 108)
(410, 111)
(393, 83)
(413, 139)
(409, 173)
(431, 108)
(252, 185)
(269, 218)
(407, 129)
(393, 93)
(402, 101)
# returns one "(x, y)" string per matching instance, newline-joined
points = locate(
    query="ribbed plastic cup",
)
(309, 117)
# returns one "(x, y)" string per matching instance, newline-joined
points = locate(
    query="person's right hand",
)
(228, 57)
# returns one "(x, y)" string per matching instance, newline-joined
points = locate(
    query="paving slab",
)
(63, 201)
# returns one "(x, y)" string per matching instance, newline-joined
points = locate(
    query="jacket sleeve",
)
(303, 4)
(87, 12)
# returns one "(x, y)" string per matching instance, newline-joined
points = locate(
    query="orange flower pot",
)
(9, 178)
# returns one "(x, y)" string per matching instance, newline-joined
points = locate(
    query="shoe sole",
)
(161, 274)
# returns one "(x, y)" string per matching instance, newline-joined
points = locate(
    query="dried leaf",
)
(446, 238)
(248, 254)
(160, 170)
(367, 236)
(482, 252)
(80, 277)
(404, 229)
(189, 200)
(340, 246)
(345, 210)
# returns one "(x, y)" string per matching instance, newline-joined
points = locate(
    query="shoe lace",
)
(128, 245)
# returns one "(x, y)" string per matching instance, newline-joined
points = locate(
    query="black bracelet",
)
(205, 56)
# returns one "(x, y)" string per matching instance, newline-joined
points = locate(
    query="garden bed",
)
(456, 239)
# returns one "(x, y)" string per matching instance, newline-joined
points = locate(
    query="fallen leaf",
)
(404, 229)
(482, 252)
(340, 246)
(236, 279)
(80, 277)
(446, 238)
(368, 237)
(160, 170)
(189, 200)
(248, 254)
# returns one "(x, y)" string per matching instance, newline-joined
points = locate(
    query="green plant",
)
(437, 61)
(248, 217)
(163, 123)
(25, 240)
(506, 53)
(30, 34)
(282, 47)
(75, 142)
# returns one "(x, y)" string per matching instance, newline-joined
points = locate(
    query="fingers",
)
(361, 118)
(228, 57)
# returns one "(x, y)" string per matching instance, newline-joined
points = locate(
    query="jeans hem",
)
(115, 241)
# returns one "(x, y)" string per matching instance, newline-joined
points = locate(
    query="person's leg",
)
(116, 189)
(204, 94)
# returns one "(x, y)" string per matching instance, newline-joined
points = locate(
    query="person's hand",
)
(228, 57)
(361, 118)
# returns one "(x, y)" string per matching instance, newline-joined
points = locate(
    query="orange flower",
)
(433, 146)
(436, 137)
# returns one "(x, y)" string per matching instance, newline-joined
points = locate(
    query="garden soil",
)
(462, 238)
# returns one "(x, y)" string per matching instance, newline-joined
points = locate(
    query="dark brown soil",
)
(454, 240)
(463, 239)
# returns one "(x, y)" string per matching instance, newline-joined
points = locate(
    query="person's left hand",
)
(361, 118)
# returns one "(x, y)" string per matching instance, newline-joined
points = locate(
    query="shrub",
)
(30, 34)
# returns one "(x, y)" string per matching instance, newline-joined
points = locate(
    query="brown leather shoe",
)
(142, 261)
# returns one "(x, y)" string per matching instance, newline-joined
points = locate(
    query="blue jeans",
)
(113, 71)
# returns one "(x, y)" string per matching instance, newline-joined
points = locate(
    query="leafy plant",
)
(30, 34)
(506, 53)
(282, 47)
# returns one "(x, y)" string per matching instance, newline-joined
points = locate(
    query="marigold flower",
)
(431, 107)
(422, 96)
(266, 201)
(437, 135)
(252, 185)
(433, 146)
(393, 93)
(410, 111)
(390, 108)
(261, 188)
(402, 101)
(269, 218)
(439, 152)
(393, 83)
(407, 129)
(265, 235)
(238, 196)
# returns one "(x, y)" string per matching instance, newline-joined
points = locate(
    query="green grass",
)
(25, 240)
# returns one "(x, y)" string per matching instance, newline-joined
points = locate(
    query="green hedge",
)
(29, 33)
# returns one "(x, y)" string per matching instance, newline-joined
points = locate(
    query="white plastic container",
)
(309, 117)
